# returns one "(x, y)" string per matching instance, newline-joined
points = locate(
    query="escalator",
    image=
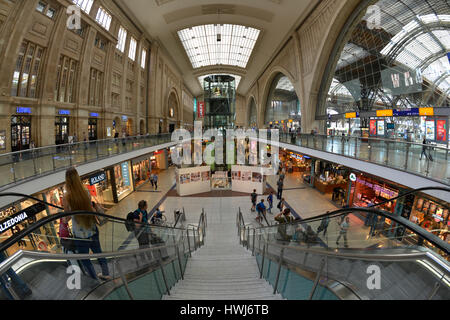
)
(136, 271)
(380, 256)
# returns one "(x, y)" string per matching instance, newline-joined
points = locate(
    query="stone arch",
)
(142, 128)
(129, 127)
(116, 126)
(173, 101)
(251, 105)
(276, 72)
(342, 18)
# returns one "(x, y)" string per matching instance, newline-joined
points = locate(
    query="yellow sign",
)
(282, 121)
(426, 111)
(350, 115)
(385, 113)
(290, 120)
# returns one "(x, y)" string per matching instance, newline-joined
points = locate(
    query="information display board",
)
(193, 180)
(247, 178)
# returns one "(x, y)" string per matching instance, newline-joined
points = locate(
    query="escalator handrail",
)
(21, 196)
(5, 265)
(436, 241)
(9, 242)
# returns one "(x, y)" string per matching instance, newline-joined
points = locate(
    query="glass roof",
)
(285, 84)
(234, 48)
(237, 78)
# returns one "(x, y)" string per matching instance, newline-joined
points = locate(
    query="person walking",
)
(84, 228)
(152, 176)
(155, 181)
(280, 185)
(280, 205)
(270, 202)
(261, 209)
(324, 225)
(343, 232)
(253, 198)
(424, 150)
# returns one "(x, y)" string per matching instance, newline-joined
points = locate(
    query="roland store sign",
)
(97, 178)
(20, 217)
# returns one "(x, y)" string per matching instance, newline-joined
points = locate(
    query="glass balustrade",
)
(18, 166)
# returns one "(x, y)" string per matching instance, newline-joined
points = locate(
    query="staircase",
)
(222, 269)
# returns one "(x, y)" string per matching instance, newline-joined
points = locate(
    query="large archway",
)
(400, 63)
(282, 109)
(116, 127)
(252, 118)
(142, 128)
(172, 112)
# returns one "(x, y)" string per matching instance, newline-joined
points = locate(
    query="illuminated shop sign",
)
(64, 112)
(97, 178)
(407, 112)
(94, 115)
(20, 217)
(352, 115)
(23, 110)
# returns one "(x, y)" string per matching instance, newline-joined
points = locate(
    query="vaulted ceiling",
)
(276, 19)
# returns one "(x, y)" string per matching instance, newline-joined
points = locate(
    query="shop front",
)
(93, 126)
(330, 178)
(141, 170)
(295, 162)
(159, 160)
(21, 136)
(432, 215)
(99, 187)
(62, 127)
(20, 216)
(367, 191)
(123, 181)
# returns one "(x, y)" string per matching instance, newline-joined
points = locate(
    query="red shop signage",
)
(201, 110)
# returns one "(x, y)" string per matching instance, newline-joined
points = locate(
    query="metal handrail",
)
(9, 242)
(82, 143)
(368, 138)
(436, 241)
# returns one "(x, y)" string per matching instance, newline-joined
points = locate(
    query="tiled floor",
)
(306, 201)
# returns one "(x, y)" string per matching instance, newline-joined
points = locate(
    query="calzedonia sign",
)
(20, 217)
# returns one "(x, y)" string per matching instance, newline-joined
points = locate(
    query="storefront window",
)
(141, 171)
(43, 239)
(99, 187)
(123, 177)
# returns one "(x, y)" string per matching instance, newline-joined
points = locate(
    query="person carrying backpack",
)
(140, 219)
(253, 198)
(324, 225)
(261, 209)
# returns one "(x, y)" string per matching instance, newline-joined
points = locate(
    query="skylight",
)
(122, 39)
(285, 84)
(225, 44)
(85, 5)
(237, 78)
(103, 18)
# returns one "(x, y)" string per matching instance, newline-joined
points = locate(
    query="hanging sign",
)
(352, 177)
(201, 110)
(97, 178)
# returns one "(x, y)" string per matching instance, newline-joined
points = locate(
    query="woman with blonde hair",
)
(84, 228)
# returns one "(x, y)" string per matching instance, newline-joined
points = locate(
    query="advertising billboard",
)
(373, 128)
(441, 130)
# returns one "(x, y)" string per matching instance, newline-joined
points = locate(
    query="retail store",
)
(123, 185)
(432, 215)
(18, 217)
(330, 178)
(141, 170)
(295, 162)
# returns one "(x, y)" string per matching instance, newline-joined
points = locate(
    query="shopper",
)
(282, 175)
(141, 231)
(343, 232)
(253, 198)
(155, 181)
(270, 202)
(280, 185)
(84, 228)
(16, 281)
(281, 204)
(424, 150)
(284, 218)
(151, 180)
(157, 217)
(324, 225)
(261, 209)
